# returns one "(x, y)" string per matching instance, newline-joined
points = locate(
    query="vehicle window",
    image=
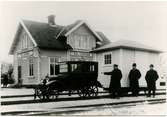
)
(76, 68)
(63, 68)
(89, 68)
(92, 68)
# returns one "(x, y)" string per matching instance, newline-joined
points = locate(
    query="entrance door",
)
(19, 75)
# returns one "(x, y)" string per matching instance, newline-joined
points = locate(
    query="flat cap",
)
(151, 65)
(115, 65)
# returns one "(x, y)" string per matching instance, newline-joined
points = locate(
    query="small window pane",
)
(56, 69)
(92, 68)
(51, 69)
(63, 68)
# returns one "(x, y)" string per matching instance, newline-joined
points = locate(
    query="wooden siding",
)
(84, 34)
(22, 36)
(44, 60)
(105, 79)
(125, 58)
(143, 59)
(126, 65)
(21, 58)
(15, 65)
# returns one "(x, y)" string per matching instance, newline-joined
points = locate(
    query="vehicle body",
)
(80, 76)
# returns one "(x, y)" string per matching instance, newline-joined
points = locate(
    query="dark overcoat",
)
(151, 77)
(116, 76)
(134, 76)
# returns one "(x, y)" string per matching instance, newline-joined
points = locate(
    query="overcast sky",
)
(144, 22)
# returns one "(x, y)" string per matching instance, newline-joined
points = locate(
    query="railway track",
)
(26, 105)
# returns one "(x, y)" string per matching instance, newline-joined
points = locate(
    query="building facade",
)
(38, 47)
(125, 53)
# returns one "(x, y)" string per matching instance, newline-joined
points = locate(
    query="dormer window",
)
(24, 41)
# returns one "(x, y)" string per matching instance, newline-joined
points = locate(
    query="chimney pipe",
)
(51, 19)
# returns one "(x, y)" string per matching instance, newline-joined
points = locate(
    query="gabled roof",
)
(51, 37)
(44, 35)
(78, 24)
(128, 45)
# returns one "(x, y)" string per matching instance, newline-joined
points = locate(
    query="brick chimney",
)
(51, 19)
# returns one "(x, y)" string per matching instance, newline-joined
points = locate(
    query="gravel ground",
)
(15, 91)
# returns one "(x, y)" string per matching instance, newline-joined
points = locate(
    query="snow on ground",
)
(14, 91)
(88, 106)
(146, 109)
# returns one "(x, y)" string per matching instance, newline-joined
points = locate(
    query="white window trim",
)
(106, 53)
(50, 63)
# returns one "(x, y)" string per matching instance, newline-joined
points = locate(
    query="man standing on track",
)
(151, 77)
(134, 76)
(115, 84)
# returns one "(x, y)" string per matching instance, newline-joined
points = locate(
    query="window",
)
(31, 67)
(88, 42)
(24, 42)
(54, 68)
(81, 41)
(92, 68)
(107, 59)
(63, 68)
(76, 67)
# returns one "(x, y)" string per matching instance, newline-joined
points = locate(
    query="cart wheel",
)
(39, 93)
(52, 94)
(84, 92)
(93, 91)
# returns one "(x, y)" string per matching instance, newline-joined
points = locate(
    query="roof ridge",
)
(128, 44)
(32, 21)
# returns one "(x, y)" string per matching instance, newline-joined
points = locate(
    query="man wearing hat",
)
(134, 76)
(151, 77)
(115, 84)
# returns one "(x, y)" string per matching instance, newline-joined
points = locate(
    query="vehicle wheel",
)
(52, 94)
(39, 93)
(84, 92)
(93, 91)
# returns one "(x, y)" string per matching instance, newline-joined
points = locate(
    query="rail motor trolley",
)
(73, 76)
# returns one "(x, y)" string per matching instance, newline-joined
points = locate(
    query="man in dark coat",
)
(134, 76)
(151, 77)
(115, 84)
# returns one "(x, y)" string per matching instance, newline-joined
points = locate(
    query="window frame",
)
(55, 63)
(31, 66)
(106, 59)
(82, 41)
(24, 41)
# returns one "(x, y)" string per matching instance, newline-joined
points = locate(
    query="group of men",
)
(134, 76)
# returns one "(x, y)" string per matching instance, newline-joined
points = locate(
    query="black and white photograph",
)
(83, 58)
